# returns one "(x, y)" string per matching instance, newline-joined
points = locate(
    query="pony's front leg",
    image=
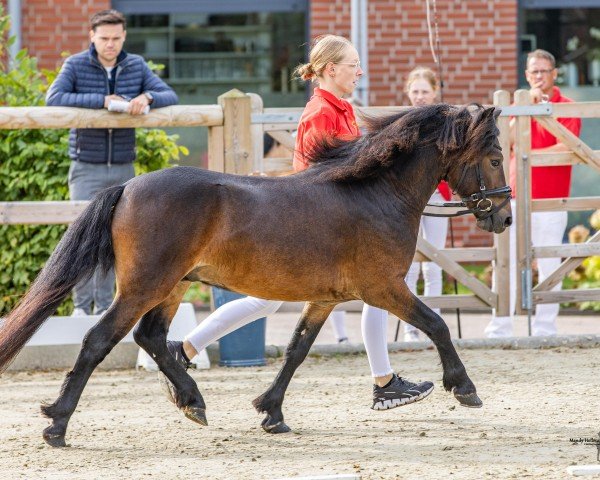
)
(409, 308)
(307, 329)
(98, 342)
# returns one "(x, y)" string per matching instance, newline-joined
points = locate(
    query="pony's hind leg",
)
(98, 342)
(307, 329)
(455, 377)
(151, 335)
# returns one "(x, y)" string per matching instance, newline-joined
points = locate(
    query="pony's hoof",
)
(54, 439)
(470, 400)
(196, 414)
(279, 427)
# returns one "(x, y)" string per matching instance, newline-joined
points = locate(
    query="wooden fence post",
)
(501, 275)
(257, 132)
(523, 201)
(238, 150)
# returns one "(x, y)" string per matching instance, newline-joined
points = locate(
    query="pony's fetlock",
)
(266, 403)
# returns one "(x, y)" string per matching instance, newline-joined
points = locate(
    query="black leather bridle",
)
(484, 204)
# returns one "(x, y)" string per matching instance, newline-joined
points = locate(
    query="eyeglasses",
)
(535, 73)
(355, 65)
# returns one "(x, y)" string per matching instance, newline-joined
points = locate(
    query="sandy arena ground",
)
(534, 402)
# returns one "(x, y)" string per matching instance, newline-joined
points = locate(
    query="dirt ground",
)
(534, 402)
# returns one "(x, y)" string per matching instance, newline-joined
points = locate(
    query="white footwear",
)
(411, 336)
(79, 312)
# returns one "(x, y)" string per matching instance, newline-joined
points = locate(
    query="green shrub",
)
(34, 165)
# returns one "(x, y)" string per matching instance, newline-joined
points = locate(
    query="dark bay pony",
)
(344, 229)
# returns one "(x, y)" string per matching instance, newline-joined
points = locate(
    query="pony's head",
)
(465, 139)
(475, 170)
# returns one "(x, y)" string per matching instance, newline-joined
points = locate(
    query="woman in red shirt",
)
(335, 65)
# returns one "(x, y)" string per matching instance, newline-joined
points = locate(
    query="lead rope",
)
(437, 58)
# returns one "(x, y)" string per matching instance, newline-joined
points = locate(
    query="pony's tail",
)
(85, 245)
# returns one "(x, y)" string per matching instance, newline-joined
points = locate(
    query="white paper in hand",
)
(122, 106)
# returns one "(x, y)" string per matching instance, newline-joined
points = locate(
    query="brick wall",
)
(479, 55)
(50, 27)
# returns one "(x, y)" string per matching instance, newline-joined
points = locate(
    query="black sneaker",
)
(176, 351)
(399, 392)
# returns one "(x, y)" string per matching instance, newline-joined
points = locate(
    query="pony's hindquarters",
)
(85, 245)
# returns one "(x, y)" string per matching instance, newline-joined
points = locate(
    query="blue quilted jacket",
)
(83, 82)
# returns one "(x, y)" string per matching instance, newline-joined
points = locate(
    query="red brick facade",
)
(50, 27)
(478, 37)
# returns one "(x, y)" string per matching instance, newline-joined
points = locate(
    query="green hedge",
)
(34, 165)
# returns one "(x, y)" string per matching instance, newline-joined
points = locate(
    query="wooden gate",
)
(529, 295)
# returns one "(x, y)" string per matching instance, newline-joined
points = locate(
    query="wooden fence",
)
(235, 142)
(529, 295)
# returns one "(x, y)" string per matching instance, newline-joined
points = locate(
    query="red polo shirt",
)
(325, 115)
(548, 182)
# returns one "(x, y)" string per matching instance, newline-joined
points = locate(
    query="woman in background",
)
(422, 88)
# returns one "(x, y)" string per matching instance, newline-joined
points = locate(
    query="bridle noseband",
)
(484, 204)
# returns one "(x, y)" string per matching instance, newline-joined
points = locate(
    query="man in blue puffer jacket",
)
(102, 157)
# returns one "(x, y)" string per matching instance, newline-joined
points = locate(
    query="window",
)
(572, 35)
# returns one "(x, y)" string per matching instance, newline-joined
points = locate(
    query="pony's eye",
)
(495, 163)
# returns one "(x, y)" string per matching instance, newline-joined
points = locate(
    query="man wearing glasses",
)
(547, 228)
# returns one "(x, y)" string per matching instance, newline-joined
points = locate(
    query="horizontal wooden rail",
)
(441, 301)
(577, 250)
(571, 204)
(561, 296)
(40, 213)
(68, 117)
(464, 255)
(554, 159)
(579, 109)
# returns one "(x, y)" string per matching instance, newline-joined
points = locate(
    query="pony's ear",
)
(497, 112)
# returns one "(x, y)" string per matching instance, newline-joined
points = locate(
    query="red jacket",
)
(326, 115)
(548, 182)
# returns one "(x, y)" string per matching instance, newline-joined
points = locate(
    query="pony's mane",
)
(465, 133)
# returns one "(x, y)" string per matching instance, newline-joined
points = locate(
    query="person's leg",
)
(411, 334)
(502, 326)
(85, 179)
(374, 331)
(547, 228)
(435, 230)
(104, 285)
(226, 319)
(390, 390)
(338, 322)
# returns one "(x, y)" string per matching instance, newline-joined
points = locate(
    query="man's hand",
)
(108, 98)
(138, 104)
(536, 93)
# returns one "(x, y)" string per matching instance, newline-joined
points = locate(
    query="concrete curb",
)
(124, 355)
(511, 343)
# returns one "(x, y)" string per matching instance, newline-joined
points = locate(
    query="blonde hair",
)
(421, 73)
(325, 49)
